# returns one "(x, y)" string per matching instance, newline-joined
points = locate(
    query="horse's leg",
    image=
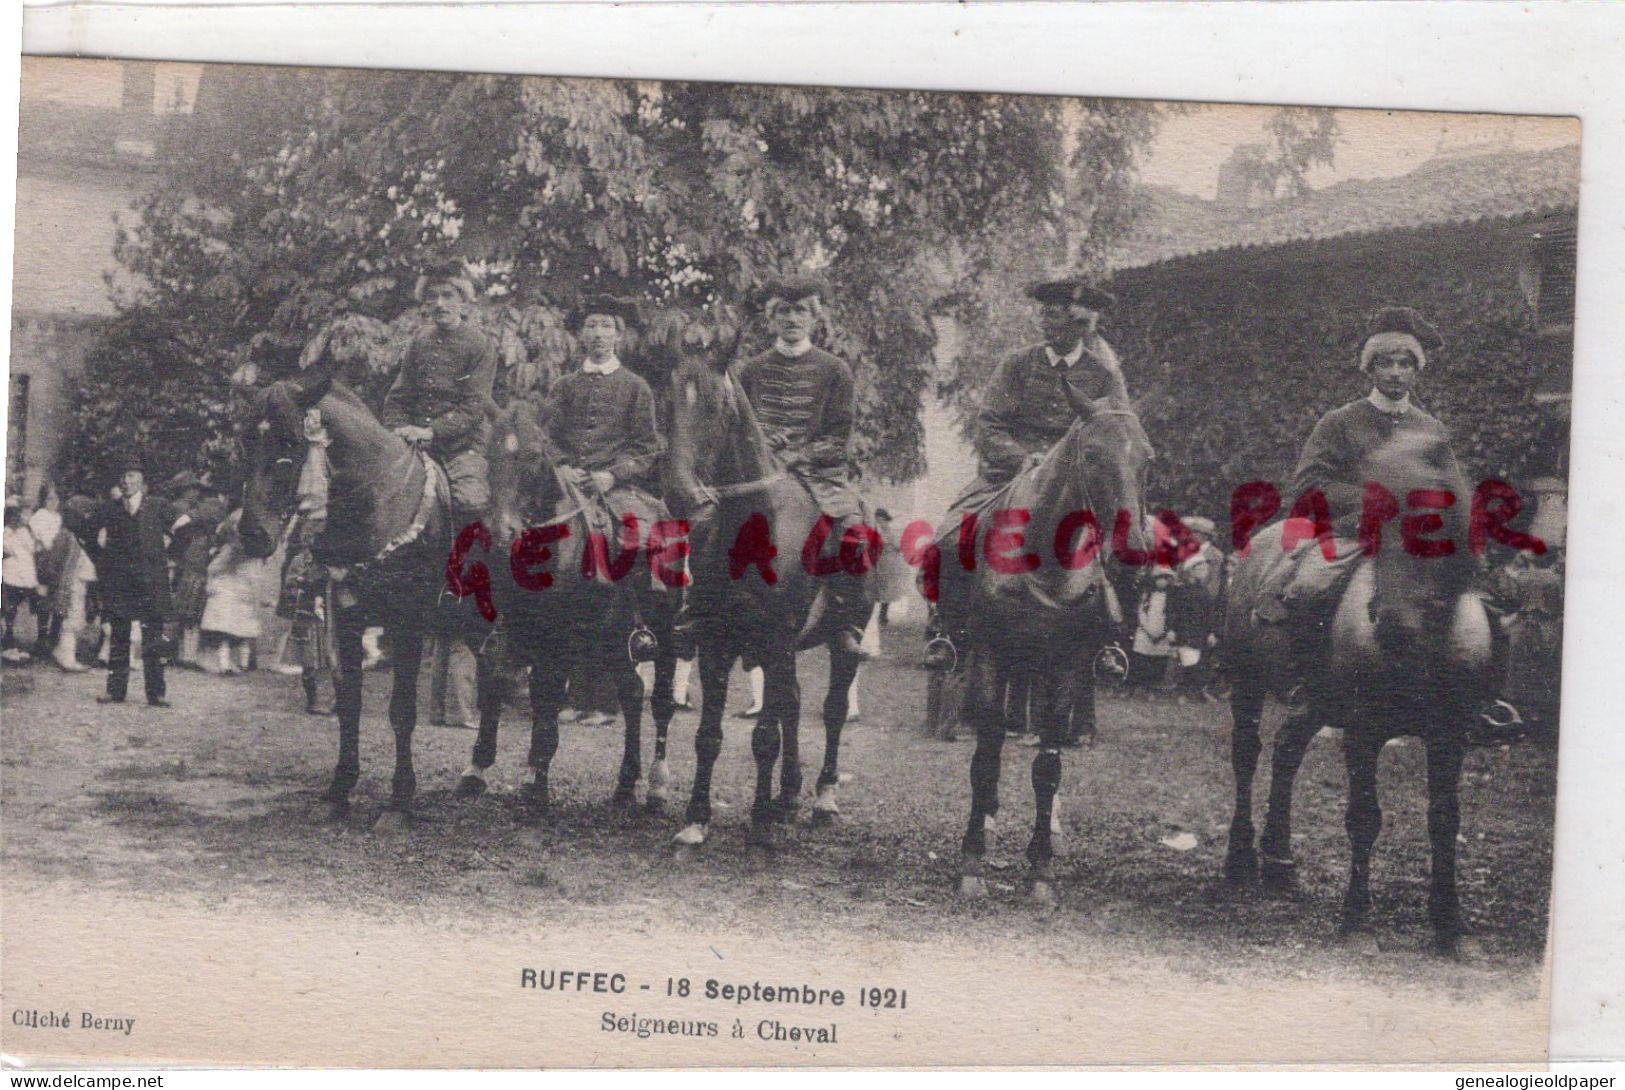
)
(629, 692)
(788, 714)
(1363, 819)
(549, 669)
(1291, 741)
(492, 688)
(1082, 727)
(403, 718)
(1049, 703)
(842, 669)
(767, 743)
(714, 666)
(662, 706)
(984, 709)
(1246, 713)
(347, 706)
(1444, 822)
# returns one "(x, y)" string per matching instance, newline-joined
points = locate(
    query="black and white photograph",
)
(527, 571)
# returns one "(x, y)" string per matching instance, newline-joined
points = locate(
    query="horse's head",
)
(525, 489)
(1415, 593)
(273, 431)
(1114, 452)
(714, 436)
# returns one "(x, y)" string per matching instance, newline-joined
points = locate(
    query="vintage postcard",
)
(518, 571)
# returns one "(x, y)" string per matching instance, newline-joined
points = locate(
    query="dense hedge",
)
(1237, 354)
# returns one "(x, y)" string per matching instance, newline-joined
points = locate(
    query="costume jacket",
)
(445, 385)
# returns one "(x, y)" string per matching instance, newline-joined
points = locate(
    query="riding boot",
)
(849, 612)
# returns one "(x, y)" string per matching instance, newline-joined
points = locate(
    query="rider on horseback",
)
(1334, 460)
(440, 397)
(1025, 411)
(601, 419)
(803, 398)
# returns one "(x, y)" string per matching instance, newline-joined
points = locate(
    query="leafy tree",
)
(302, 198)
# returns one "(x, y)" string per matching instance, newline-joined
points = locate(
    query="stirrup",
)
(641, 644)
(940, 641)
(1111, 664)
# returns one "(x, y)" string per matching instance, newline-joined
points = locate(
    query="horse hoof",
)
(785, 811)
(1279, 877)
(470, 786)
(1240, 866)
(1041, 894)
(823, 819)
(691, 835)
(973, 887)
(392, 823)
(333, 811)
(1447, 947)
(1357, 938)
(654, 804)
(625, 798)
(763, 835)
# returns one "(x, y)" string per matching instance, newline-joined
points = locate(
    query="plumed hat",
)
(454, 273)
(1401, 329)
(1073, 291)
(613, 305)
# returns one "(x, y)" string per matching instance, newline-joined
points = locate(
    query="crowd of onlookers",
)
(220, 597)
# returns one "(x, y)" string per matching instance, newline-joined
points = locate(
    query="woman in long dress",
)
(231, 611)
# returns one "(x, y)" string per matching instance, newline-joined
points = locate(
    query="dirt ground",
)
(215, 802)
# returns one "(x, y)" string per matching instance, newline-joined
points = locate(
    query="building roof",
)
(1444, 190)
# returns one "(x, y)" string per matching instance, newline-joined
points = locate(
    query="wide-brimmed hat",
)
(626, 310)
(791, 289)
(454, 273)
(1073, 291)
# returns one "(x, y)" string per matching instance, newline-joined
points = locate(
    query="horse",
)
(573, 618)
(388, 530)
(1408, 652)
(722, 474)
(1042, 615)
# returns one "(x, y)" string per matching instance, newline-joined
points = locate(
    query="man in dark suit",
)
(126, 543)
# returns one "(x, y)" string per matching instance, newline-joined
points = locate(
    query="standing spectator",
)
(303, 601)
(231, 612)
(46, 526)
(452, 699)
(127, 547)
(192, 541)
(19, 579)
(70, 602)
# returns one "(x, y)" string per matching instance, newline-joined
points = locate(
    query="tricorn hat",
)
(1073, 291)
(792, 289)
(454, 273)
(613, 305)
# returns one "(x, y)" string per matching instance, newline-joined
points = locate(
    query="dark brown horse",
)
(1043, 616)
(388, 531)
(1408, 652)
(573, 618)
(725, 479)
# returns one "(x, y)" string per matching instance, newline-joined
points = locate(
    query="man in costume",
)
(1028, 407)
(439, 399)
(803, 398)
(1334, 463)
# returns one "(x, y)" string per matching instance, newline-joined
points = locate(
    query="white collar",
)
(132, 504)
(1389, 405)
(609, 367)
(1072, 357)
(795, 353)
